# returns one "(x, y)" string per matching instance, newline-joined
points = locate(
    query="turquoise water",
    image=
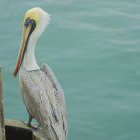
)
(93, 46)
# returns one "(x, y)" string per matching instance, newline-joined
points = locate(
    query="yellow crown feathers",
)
(34, 14)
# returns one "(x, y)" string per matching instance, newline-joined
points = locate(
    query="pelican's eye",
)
(28, 21)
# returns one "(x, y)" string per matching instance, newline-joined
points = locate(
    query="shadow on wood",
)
(14, 133)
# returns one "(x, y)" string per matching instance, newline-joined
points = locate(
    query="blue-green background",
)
(93, 46)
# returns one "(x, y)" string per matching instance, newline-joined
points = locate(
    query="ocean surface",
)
(93, 46)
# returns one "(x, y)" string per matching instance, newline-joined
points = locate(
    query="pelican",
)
(40, 89)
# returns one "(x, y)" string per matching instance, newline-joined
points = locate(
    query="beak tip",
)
(14, 75)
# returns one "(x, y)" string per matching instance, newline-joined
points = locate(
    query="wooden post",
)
(2, 126)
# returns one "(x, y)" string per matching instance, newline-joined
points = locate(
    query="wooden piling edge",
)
(2, 126)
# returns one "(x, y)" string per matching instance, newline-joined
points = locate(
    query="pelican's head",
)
(35, 21)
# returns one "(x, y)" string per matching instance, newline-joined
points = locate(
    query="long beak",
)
(23, 46)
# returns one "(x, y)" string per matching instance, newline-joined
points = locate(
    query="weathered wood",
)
(2, 127)
(21, 130)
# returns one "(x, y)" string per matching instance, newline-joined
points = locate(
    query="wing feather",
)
(59, 95)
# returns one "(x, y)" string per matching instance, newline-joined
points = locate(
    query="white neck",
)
(29, 58)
